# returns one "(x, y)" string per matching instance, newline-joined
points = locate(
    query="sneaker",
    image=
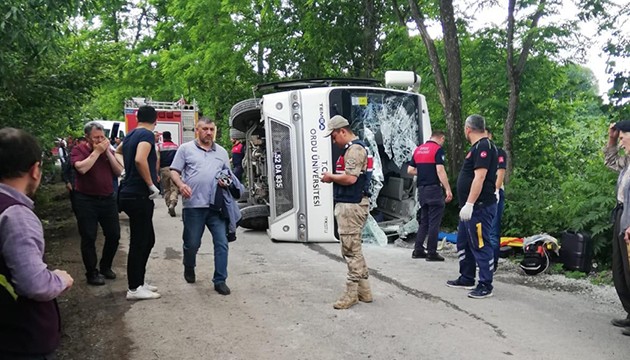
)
(480, 292)
(108, 274)
(171, 210)
(418, 254)
(150, 287)
(142, 294)
(434, 257)
(222, 288)
(458, 283)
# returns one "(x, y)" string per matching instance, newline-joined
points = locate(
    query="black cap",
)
(623, 125)
(166, 135)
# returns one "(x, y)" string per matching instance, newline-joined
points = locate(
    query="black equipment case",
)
(576, 251)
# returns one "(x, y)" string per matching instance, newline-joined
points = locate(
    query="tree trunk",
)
(454, 75)
(514, 73)
(449, 94)
(369, 38)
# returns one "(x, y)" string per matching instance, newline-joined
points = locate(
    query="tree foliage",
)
(66, 61)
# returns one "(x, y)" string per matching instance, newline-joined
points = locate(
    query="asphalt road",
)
(282, 296)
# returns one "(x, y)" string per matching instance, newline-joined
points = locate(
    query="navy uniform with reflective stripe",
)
(473, 236)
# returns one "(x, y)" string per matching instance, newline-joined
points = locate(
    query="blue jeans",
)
(495, 231)
(195, 220)
(472, 247)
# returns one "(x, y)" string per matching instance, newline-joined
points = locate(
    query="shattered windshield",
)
(389, 123)
(393, 117)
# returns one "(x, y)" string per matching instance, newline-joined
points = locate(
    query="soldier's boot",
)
(364, 292)
(349, 298)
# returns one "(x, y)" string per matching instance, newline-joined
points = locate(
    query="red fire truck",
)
(178, 117)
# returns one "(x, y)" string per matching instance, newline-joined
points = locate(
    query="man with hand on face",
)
(621, 215)
(195, 170)
(95, 201)
(475, 191)
(351, 182)
(30, 325)
(137, 192)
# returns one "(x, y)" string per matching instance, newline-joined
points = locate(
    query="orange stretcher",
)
(512, 242)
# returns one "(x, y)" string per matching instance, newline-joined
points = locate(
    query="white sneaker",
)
(150, 287)
(142, 294)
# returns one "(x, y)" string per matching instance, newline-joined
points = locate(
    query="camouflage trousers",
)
(168, 187)
(350, 221)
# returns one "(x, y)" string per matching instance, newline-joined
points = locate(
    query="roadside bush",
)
(582, 201)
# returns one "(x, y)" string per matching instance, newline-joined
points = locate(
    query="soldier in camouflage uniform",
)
(350, 182)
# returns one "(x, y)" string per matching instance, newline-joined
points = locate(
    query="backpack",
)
(536, 259)
(536, 249)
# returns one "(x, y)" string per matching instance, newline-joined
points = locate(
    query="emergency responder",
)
(427, 163)
(499, 193)
(351, 182)
(475, 192)
(167, 153)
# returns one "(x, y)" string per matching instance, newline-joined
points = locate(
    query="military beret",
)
(623, 125)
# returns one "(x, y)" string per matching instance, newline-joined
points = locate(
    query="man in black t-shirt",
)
(495, 233)
(475, 191)
(434, 191)
(137, 191)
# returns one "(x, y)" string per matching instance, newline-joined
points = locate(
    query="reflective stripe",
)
(7, 285)
(479, 235)
(462, 251)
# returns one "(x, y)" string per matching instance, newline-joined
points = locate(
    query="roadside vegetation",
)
(85, 57)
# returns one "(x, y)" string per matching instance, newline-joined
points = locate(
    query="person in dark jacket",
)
(29, 317)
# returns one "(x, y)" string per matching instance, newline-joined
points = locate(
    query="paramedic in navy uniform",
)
(475, 192)
(427, 164)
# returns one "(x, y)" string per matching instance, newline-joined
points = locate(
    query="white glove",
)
(466, 212)
(496, 193)
(153, 192)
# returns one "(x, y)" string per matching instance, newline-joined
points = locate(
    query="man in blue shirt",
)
(194, 170)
